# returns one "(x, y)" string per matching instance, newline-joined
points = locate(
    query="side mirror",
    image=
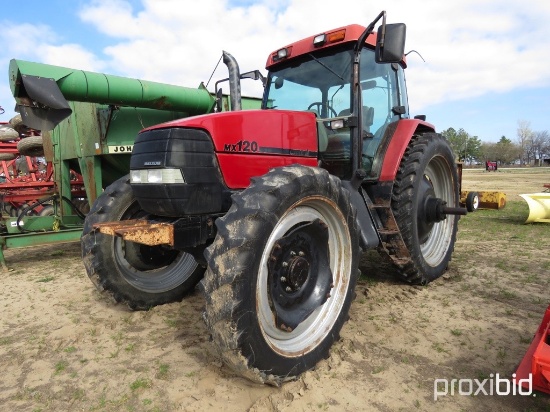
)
(279, 82)
(254, 75)
(390, 43)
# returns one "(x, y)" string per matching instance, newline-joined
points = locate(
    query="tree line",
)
(530, 147)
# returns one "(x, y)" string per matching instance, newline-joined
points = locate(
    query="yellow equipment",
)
(539, 207)
(484, 199)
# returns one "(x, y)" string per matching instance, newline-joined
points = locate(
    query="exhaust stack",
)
(234, 81)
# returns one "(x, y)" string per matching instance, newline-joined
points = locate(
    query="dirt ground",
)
(63, 346)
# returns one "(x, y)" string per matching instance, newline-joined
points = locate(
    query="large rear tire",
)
(281, 273)
(138, 275)
(427, 168)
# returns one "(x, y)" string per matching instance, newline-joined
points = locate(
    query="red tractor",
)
(276, 205)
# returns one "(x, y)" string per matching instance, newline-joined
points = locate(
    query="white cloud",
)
(471, 47)
(71, 55)
(476, 48)
(24, 39)
(40, 43)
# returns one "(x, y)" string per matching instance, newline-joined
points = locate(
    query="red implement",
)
(537, 359)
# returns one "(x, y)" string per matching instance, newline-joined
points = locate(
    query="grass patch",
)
(171, 322)
(60, 367)
(141, 383)
(45, 279)
(163, 371)
(5, 340)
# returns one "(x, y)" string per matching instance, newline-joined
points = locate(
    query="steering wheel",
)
(319, 106)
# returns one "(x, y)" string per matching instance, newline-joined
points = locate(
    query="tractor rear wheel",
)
(281, 273)
(427, 171)
(138, 275)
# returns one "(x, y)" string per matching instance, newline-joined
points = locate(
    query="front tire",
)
(426, 169)
(281, 273)
(138, 275)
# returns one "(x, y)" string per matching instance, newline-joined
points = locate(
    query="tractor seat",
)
(322, 135)
(338, 146)
(368, 117)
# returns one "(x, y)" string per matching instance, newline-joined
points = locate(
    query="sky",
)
(480, 64)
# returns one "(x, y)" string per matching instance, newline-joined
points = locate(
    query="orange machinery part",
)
(537, 359)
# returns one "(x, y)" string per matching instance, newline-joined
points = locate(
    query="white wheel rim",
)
(436, 246)
(307, 335)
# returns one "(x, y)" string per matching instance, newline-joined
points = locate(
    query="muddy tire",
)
(137, 275)
(427, 166)
(281, 273)
(32, 146)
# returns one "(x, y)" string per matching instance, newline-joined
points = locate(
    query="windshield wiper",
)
(325, 66)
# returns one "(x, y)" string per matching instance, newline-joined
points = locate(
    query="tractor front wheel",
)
(281, 273)
(138, 275)
(427, 176)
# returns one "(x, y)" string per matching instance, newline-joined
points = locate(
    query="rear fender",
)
(397, 144)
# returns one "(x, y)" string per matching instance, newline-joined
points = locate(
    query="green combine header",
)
(89, 122)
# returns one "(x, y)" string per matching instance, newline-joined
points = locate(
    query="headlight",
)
(154, 176)
(164, 176)
(135, 176)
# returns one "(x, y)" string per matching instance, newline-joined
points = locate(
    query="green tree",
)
(473, 149)
(504, 151)
(466, 148)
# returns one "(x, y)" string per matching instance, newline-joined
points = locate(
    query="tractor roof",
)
(340, 35)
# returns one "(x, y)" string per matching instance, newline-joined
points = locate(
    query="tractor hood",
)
(281, 132)
(273, 138)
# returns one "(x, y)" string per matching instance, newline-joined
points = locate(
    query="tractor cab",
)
(317, 75)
